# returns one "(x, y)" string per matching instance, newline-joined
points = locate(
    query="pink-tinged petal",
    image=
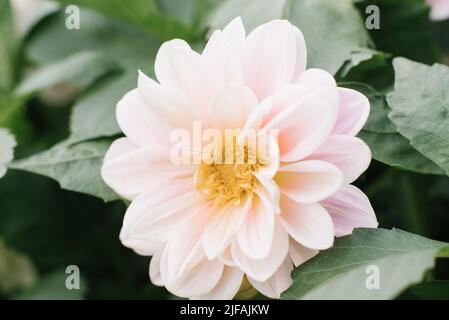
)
(268, 155)
(256, 117)
(439, 9)
(309, 224)
(354, 111)
(309, 181)
(223, 227)
(155, 268)
(263, 269)
(350, 154)
(302, 128)
(226, 257)
(350, 208)
(231, 106)
(144, 80)
(170, 108)
(235, 34)
(256, 234)
(315, 78)
(278, 283)
(179, 67)
(137, 121)
(134, 172)
(118, 148)
(154, 214)
(221, 53)
(274, 54)
(227, 287)
(300, 254)
(268, 189)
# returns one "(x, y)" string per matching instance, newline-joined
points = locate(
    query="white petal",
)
(263, 269)
(350, 154)
(309, 181)
(235, 34)
(278, 283)
(179, 67)
(227, 287)
(155, 269)
(309, 224)
(354, 111)
(274, 54)
(299, 253)
(350, 208)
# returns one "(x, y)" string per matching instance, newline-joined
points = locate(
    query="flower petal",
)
(309, 224)
(227, 287)
(154, 214)
(263, 269)
(256, 234)
(300, 254)
(179, 67)
(223, 227)
(155, 268)
(274, 54)
(134, 172)
(350, 154)
(231, 106)
(235, 34)
(277, 283)
(350, 208)
(309, 181)
(354, 111)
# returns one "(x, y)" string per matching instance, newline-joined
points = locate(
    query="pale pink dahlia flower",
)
(439, 9)
(209, 225)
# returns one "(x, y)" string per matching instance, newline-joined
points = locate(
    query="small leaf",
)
(420, 108)
(341, 272)
(75, 167)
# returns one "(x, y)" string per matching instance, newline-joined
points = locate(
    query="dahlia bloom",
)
(439, 9)
(208, 225)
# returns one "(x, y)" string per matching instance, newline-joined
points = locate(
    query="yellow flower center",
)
(227, 174)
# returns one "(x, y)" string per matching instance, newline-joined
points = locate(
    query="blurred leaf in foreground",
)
(342, 272)
(7, 144)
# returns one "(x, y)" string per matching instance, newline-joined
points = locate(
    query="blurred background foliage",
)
(59, 88)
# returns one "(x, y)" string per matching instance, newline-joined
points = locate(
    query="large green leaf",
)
(8, 45)
(79, 70)
(420, 108)
(386, 144)
(7, 144)
(342, 271)
(143, 14)
(332, 29)
(75, 167)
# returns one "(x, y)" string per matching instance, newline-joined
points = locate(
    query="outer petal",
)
(154, 214)
(235, 34)
(278, 283)
(350, 208)
(309, 224)
(263, 269)
(303, 128)
(155, 268)
(230, 108)
(223, 227)
(309, 181)
(137, 121)
(227, 287)
(135, 171)
(300, 254)
(274, 54)
(179, 67)
(350, 154)
(224, 55)
(256, 234)
(440, 9)
(354, 111)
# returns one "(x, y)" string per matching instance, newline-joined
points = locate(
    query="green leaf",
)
(341, 272)
(332, 29)
(386, 144)
(53, 287)
(140, 13)
(420, 108)
(8, 46)
(79, 69)
(16, 270)
(75, 167)
(7, 145)
(363, 58)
